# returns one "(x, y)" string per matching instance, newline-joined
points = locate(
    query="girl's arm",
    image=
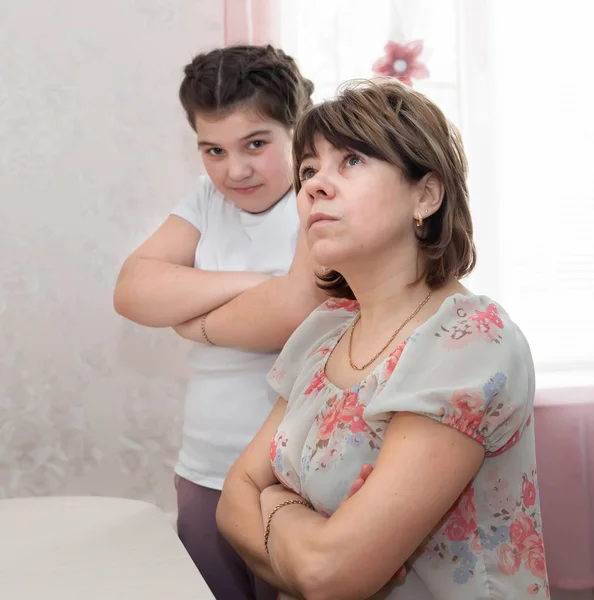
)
(355, 552)
(158, 285)
(263, 317)
(239, 514)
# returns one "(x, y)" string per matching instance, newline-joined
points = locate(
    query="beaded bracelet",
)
(203, 327)
(278, 507)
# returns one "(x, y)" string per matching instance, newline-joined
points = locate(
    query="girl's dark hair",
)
(391, 122)
(261, 77)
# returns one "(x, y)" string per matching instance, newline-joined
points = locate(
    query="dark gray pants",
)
(221, 567)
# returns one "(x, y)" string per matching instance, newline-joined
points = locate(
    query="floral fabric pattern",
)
(490, 543)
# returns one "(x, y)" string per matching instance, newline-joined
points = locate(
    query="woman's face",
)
(354, 208)
(247, 157)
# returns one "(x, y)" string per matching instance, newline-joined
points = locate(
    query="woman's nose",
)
(319, 187)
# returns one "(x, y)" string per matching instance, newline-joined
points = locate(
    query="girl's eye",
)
(352, 160)
(215, 151)
(256, 145)
(306, 173)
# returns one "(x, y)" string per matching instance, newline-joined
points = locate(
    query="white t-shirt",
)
(228, 397)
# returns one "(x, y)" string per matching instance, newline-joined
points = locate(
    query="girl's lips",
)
(247, 190)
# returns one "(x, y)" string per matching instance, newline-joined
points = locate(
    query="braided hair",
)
(262, 77)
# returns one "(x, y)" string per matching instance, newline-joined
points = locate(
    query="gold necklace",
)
(370, 362)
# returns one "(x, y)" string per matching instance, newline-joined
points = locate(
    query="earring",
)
(419, 221)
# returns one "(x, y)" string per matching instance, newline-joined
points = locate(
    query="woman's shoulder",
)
(459, 316)
(468, 366)
(325, 323)
(330, 317)
(471, 339)
(468, 319)
(311, 342)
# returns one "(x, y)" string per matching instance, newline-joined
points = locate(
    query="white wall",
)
(94, 151)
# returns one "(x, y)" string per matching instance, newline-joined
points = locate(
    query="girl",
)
(235, 233)
(403, 369)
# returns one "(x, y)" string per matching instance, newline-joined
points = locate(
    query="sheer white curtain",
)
(251, 21)
(515, 76)
(539, 124)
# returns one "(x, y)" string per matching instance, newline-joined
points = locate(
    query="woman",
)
(403, 369)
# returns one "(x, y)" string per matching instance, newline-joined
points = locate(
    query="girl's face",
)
(247, 158)
(355, 209)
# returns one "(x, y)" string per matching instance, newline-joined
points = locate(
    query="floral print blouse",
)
(468, 367)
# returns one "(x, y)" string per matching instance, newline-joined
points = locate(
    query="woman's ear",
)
(431, 197)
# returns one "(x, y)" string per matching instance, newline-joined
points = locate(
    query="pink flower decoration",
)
(460, 528)
(528, 493)
(521, 530)
(338, 303)
(508, 559)
(401, 61)
(317, 383)
(328, 425)
(534, 559)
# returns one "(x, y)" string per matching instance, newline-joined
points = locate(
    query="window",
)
(522, 94)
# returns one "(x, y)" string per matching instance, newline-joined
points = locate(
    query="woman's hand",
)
(364, 473)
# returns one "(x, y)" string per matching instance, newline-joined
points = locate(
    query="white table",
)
(87, 548)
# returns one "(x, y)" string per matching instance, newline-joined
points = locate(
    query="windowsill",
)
(548, 380)
(564, 388)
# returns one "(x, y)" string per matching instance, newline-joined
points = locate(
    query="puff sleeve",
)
(468, 367)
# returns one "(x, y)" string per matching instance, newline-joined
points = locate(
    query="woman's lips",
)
(319, 220)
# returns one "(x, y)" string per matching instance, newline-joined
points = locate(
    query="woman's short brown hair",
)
(262, 77)
(387, 120)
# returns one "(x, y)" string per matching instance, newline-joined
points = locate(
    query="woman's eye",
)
(215, 151)
(256, 145)
(352, 160)
(306, 173)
